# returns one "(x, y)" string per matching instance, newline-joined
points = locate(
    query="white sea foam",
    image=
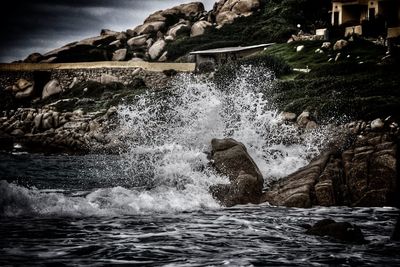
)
(167, 134)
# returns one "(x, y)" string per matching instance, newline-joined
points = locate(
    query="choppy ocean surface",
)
(149, 205)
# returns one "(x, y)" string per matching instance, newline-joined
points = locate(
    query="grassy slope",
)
(346, 87)
(274, 22)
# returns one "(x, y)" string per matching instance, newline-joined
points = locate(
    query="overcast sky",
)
(29, 26)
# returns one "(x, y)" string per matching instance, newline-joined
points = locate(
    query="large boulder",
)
(199, 28)
(53, 87)
(156, 49)
(150, 27)
(98, 40)
(185, 11)
(342, 231)
(231, 158)
(33, 58)
(23, 89)
(119, 55)
(179, 29)
(138, 40)
(361, 172)
(225, 11)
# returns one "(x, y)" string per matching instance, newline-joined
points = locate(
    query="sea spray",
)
(164, 166)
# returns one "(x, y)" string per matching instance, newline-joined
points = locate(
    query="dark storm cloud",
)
(40, 25)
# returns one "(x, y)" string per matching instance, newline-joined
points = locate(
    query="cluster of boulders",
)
(47, 129)
(149, 40)
(304, 120)
(359, 170)
(24, 89)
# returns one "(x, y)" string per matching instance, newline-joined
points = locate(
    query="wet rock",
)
(304, 118)
(246, 182)
(288, 116)
(340, 44)
(358, 172)
(342, 231)
(311, 125)
(53, 87)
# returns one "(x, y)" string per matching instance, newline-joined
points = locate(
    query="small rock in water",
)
(342, 231)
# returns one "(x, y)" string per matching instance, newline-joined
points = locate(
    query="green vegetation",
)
(359, 85)
(274, 22)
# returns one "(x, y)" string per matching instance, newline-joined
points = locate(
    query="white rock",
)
(136, 59)
(177, 29)
(107, 78)
(299, 48)
(156, 49)
(199, 28)
(340, 44)
(73, 83)
(377, 124)
(119, 55)
(163, 57)
(138, 40)
(288, 116)
(51, 88)
(326, 45)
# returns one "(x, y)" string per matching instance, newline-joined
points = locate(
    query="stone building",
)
(367, 17)
(220, 56)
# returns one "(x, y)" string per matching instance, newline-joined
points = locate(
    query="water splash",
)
(165, 167)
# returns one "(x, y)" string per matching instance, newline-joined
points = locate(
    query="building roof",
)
(229, 49)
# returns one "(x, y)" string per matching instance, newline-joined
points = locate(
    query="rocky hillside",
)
(149, 41)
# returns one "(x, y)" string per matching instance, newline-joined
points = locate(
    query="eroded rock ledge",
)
(361, 172)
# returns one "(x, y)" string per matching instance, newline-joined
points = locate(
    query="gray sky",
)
(29, 26)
